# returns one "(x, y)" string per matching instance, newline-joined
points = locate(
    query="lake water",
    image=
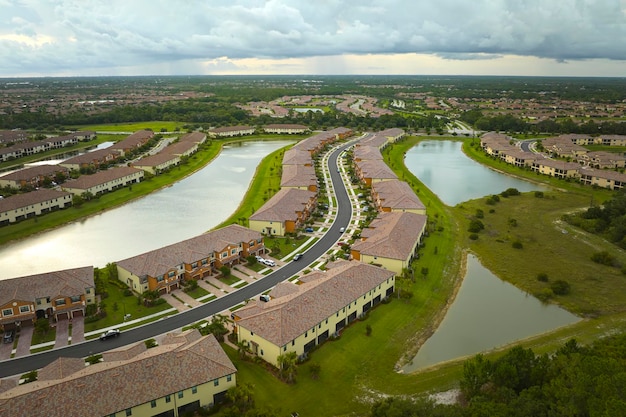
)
(487, 313)
(443, 167)
(186, 209)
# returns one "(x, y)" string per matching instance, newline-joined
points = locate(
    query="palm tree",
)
(287, 366)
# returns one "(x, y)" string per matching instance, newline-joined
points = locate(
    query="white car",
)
(269, 262)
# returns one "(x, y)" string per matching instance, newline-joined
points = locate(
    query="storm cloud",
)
(52, 37)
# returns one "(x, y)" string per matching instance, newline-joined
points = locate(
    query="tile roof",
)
(196, 137)
(376, 169)
(28, 288)
(97, 155)
(282, 319)
(155, 160)
(298, 176)
(109, 387)
(27, 199)
(284, 205)
(34, 171)
(392, 235)
(85, 182)
(159, 261)
(397, 195)
(297, 156)
(366, 153)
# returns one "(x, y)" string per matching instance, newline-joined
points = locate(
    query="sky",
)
(250, 37)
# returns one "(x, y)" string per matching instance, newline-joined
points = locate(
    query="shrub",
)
(480, 214)
(517, 245)
(509, 192)
(560, 287)
(542, 276)
(539, 194)
(512, 222)
(473, 236)
(603, 258)
(545, 294)
(150, 343)
(475, 226)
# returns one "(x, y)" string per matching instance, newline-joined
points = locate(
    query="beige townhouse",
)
(396, 195)
(184, 373)
(23, 206)
(104, 181)
(56, 295)
(391, 240)
(284, 213)
(300, 317)
(164, 269)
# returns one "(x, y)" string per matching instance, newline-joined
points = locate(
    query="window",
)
(153, 403)
(293, 343)
(7, 312)
(168, 399)
(306, 334)
(216, 382)
(229, 378)
(160, 278)
(194, 390)
(180, 394)
(171, 274)
(205, 261)
(261, 352)
(233, 251)
(24, 309)
(75, 298)
(88, 291)
(60, 301)
(285, 348)
(129, 411)
(194, 265)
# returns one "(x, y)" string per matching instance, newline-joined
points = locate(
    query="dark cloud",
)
(40, 36)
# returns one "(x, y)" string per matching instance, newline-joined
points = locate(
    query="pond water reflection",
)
(443, 167)
(487, 313)
(183, 210)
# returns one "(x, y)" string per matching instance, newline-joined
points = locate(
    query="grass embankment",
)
(358, 368)
(155, 126)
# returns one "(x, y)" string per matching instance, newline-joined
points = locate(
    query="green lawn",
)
(155, 126)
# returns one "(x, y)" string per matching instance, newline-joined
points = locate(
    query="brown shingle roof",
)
(392, 235)
(159, 261)
(26, 199)
(85, 182)
(283, 319)
(109, 387)
(67, 282)
(284, 205)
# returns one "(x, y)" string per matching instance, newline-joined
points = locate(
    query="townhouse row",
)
(290, 208)
(281, 129)
(299, 317)
(585, 169)
(185, 372)
(23, 206)
(26, 148)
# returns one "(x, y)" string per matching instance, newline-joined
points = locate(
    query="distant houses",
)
(599, 168)
(19, 207)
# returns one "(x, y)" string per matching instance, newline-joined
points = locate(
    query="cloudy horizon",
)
(325, 37)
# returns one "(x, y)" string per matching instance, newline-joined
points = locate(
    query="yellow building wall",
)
(394, 265)
(204, 394)
(127, 277)
(262, 225)
(271, 352)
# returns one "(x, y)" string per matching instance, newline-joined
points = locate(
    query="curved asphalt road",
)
(39, 360)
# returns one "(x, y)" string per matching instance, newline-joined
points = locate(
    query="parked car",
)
(309, 230)
(269, 262)
(110, 334)
(298, 257)
(259, 259)
(8, 336)
(264, 297)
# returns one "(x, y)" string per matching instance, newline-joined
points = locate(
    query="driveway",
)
(63, 333)
(23, 343)
(5, 351)
(78, 330)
